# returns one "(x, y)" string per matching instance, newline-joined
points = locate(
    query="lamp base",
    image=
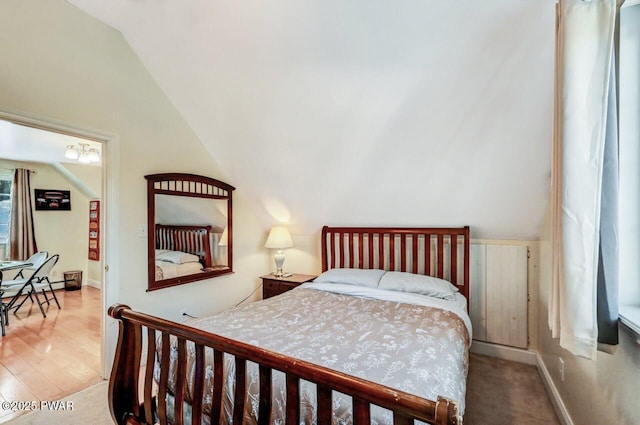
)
(280, 274)
(279, 259)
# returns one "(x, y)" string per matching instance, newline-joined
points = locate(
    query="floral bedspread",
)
(418, 349)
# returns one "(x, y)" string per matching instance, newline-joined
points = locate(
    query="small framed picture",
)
(52, 200)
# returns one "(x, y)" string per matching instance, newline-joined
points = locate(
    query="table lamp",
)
(279, 238)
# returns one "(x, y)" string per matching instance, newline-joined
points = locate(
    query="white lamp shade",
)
(279, 238)
(94, 156)
(71, 152)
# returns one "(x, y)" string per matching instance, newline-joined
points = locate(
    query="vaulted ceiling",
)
(433, 112)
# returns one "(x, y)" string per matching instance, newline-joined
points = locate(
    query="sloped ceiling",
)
(360, 112)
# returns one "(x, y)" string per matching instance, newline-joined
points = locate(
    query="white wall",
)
(91, 177)
(600, 391)
(69, 67)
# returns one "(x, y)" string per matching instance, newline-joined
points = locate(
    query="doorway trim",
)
(108, 226)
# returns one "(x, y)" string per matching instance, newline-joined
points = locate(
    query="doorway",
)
(107, 208)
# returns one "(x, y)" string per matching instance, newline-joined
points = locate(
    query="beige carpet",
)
(89, 407)
(493, 386)
(514, 389)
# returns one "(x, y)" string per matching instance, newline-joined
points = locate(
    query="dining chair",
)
(4, 317)
(28, 287)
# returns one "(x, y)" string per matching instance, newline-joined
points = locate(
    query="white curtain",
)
(583, 66)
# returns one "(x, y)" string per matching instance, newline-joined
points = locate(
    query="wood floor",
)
(47, 359)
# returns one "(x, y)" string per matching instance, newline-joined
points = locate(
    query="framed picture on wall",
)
(52, 200)
(94, 230)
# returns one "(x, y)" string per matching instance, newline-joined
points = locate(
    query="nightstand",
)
(272, 286)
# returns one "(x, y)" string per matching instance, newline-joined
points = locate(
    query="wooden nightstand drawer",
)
(287, 286)
(272, 286)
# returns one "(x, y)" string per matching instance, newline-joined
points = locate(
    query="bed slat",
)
(342, 252)
(403, 251)
(241, 384)
(392, 251)
(414, 253)
(198, 385)
(164, 379)
(264, 408)
(440, 255)
(454, 261)
(401, 420)
(361, 412)
(216, 397)
(181, 380)
(427, 255)
(324, 405)
(380, 251)
(148, 375)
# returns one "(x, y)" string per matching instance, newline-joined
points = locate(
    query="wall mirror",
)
(189, 229)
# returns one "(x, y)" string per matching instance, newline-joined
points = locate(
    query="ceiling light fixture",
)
(82, 154)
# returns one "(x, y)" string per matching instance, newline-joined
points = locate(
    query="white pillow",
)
(418, 284)
(177, 257)
(360, 277)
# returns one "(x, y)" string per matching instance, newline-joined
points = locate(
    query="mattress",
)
(410, 342)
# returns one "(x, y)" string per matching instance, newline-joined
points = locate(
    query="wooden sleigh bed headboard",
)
(440, 252)
(135, 398)
(190, 239)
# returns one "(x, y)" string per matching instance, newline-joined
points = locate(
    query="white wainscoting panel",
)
(478, 291)
(499, 294)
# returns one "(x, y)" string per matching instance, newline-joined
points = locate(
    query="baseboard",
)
(57, 286)
(552, 392)
(505, 353)
(94, 283)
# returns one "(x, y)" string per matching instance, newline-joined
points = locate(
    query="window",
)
(6, 181)
(629, 231)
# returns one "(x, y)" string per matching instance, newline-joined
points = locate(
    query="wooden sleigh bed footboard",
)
(135, 398)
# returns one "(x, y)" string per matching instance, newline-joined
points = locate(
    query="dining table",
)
(4, 307)
(12, 265)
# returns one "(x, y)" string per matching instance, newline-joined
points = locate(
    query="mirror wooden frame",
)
(188, 185)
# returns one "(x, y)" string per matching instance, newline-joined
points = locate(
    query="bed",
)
(181, 250)
(256, 363)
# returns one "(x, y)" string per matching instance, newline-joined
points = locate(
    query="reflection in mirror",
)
(190, 229)
(200, 213)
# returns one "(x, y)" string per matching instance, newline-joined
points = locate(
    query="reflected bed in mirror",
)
(190, 229)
